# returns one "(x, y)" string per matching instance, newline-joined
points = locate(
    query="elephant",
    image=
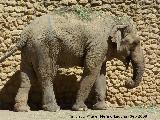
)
(54, 40)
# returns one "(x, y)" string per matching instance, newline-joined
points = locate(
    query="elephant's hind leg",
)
(22, 95)
(100, 90)
(46, 72)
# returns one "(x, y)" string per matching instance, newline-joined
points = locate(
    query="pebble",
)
(123, 89)
(11, 3)
(83, 1)
(68, 2)
(29, 5)
(96, 2)
(72, 2)
(158, 1)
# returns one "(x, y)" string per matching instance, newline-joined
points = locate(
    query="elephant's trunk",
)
(137, 60)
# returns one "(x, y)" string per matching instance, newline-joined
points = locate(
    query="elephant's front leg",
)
(100, 90)
(84, 90)
(91, 71)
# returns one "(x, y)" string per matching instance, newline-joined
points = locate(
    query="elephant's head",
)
(129, 50)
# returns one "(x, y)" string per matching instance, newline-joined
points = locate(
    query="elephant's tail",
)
(21, 43)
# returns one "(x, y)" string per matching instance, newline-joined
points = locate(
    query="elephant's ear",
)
(116, 34)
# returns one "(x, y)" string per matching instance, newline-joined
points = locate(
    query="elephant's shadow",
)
(65, 87)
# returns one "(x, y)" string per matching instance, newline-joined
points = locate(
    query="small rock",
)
(155, 30)
(120, 101)
(122, 77)
(112, 100)
(30, 12)
(123, 89)
(8, 42)
(24, 18)
(126, 99)
(29, 5)
(3, 47)
(11, 3)
(158, 65)
(117, 72)
(106, 1)
(139, 98)
(140, 22)
(20, 9)
(158, 97)
(14, 14)
(130, 103)
(144, 99)
(138, 103)
(154, 46)
(20, 22)
(38, 7)
(155, 69)
(158, 101)
(32, 1)
(153, 36)
(119, 1)
(1, 83)
(145, 74)
(83, 1)
(158, 1)
(31, 17)
(50, 8)
(21, 3)
(72, 2)
(113, 80)
(9, 9)
(109, 84)
(144, 34)
(68, 2)
(133, 97)
(3, 76)
(147, 2)
(149, 66)
(108, 104)
(64, 2)
(121, 68)
(1, 87)
(106, 7)
(114, 91)
(96, 2)
(127, 94)
(20, 27)
(143, 93)
(16, 32)
(1, 8)
(1, 39)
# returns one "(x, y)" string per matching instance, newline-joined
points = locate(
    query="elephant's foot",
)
(79, 107)
(21, 108)
(100, 106)
(51, 107)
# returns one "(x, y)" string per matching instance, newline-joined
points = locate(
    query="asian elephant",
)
(54, 40)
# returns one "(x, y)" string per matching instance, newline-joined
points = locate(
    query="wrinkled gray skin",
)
(53, 41)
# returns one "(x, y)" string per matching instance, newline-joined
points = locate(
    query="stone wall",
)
(16, 14)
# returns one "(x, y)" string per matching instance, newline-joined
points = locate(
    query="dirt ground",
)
(134, 113)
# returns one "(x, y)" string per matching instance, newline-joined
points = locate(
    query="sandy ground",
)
(136, 113)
